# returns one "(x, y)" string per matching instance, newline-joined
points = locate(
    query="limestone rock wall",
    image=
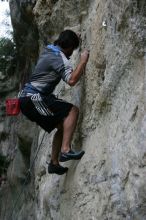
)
(108, 183)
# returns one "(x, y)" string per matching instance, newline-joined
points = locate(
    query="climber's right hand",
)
(84, 56)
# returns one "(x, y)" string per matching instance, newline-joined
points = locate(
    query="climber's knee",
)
(75, 110)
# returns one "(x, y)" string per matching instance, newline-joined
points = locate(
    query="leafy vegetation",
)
(7, 55)
(7, 46)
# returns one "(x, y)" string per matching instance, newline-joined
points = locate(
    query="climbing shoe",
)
(71, 155)
(56, 168)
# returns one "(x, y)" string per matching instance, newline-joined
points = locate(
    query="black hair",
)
(67, 39)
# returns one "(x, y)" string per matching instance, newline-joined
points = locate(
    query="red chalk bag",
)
(12, 106)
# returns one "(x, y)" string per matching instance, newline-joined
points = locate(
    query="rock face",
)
(108, 183)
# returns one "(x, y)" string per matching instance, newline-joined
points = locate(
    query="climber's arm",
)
(76, 74)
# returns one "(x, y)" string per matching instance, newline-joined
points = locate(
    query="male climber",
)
(39, 104)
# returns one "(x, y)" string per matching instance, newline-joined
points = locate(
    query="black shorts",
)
(46, 111)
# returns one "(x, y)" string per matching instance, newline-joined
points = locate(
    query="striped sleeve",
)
(66, 69)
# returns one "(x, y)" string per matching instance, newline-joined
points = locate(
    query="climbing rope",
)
(26, 179)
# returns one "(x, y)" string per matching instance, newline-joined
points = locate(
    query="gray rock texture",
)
(109, 182)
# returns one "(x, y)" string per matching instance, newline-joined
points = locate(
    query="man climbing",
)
(39, 104)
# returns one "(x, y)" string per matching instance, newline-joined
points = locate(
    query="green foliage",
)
(7, 54)
(6, 46)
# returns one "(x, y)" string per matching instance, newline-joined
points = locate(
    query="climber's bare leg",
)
(69, 125)
(63, 135)
(54, 166)
(56, 144)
